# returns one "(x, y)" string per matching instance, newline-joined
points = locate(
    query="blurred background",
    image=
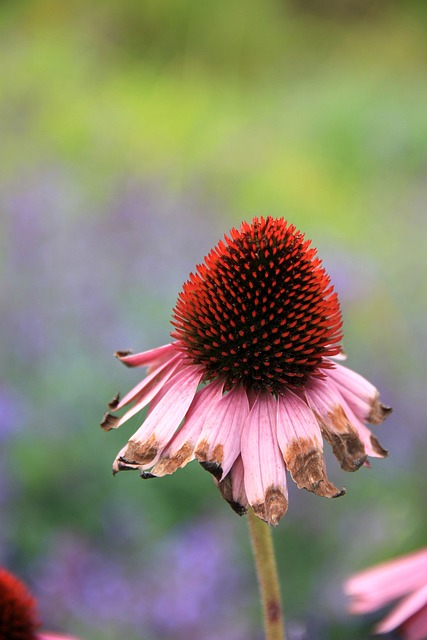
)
(133, 135)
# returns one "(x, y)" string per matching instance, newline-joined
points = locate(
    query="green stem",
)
(268, 580)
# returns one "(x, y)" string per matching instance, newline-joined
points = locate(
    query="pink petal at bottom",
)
(301, 444)
(264, 469)
(232, 487)
(180, 449)
(219, 443)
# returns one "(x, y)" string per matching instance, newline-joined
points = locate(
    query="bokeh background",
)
(133, 135)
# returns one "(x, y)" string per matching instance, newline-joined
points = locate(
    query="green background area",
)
(133, 135)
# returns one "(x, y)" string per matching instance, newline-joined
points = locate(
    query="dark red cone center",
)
(18, 616)
(260, 312)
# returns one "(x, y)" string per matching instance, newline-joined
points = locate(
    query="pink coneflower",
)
(248, 387)
(374, 588)
(18, 614)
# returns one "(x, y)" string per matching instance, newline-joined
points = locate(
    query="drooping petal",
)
(142, 394)
(408, 607)
(219, 442)
(150, 383)
(335, 426)
(162, 423)
(373, 588)
(180, 449)
(264, 469)
(232, 487)
(372, 445)
(300, 441)
(361, 396)
(146, 358)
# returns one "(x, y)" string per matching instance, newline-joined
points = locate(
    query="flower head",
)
(405, 578)
(18, 614)
(248, 386)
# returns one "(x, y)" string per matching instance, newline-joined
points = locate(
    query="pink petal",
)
(264, 470)
(352, 380)
(336, 428)
(150, 382)
(301, 443)
(180, 449)
(373, 588)
(146, 391)
(238, 482)
(162, 423)
(405, 610)
(146, 358)
(361, 396)
(232, 487)
(219, 443)
(158, 385)
(372, 446)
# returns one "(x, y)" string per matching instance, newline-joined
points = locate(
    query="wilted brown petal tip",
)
(109, 422)
(169, 465)
(307, 468)
(146, 475)
(139, 453)
(114, 402)
(237, 507)
(359, 462)
(226, 489)
(202, 453)
(347, 448)
(124, 465)
(383, 453)
(214, 468)
(339, 494)
(123, 354)
(273, 508)
(379, 411)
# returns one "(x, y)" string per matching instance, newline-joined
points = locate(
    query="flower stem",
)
(265, 562)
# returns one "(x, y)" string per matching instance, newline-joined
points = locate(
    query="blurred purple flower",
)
(195, 581)
(13, 416)
(181, 591)
(81, 582)
(12, 412)
(59, 275)
(355, 276)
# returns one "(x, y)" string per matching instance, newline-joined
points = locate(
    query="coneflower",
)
(249, 386)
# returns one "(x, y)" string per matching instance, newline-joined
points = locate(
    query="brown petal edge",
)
(306, 465)
(379, 411)
(273, 508)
